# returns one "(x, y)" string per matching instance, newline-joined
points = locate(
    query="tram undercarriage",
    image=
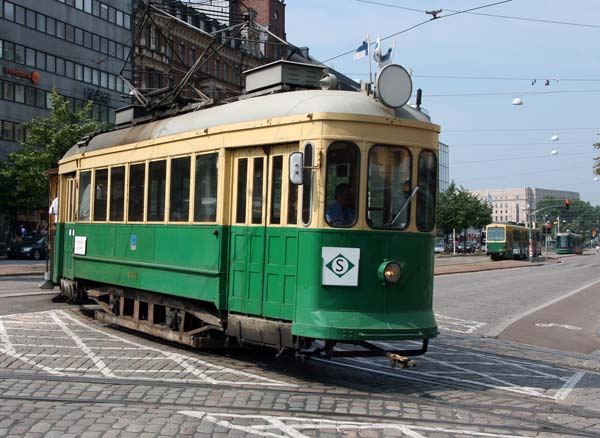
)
(189, 323)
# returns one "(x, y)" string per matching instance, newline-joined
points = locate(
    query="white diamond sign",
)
(340, 266)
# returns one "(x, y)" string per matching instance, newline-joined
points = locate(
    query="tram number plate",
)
(340, 266)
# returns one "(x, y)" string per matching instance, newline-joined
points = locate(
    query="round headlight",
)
(390, 272)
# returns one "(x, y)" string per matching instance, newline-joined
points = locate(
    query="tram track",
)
(362, 392)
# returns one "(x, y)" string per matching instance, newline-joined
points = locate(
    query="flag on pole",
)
(377, 51)
(362, 50)
(388, 56)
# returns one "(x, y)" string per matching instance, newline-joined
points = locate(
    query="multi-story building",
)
(179, 33)
(514, 205)
(77, 47)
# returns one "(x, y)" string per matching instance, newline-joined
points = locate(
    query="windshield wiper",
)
(404, 206)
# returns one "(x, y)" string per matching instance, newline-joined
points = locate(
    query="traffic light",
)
(567, 203)
(548, 228)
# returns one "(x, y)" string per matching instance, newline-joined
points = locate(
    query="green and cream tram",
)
(276, 220)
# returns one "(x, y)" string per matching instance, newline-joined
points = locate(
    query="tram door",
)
(262, 277)
(68, 217)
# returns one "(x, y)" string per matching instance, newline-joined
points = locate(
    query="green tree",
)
(580, 218)
(23, 185)
(597, 160)
(459, 209)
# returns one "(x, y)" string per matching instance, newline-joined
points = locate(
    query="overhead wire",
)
(422, 23)
(484, 14)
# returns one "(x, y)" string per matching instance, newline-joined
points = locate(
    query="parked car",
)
(469, 248)
(439, 248)
(34, 247)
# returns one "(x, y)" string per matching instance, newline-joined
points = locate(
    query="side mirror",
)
(296, 166)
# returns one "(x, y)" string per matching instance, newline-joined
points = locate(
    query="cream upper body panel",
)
(232, 125)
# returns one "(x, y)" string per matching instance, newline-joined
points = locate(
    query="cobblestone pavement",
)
(62, 374)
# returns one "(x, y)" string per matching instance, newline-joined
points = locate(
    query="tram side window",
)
(341, 190)
(85, 182)
(308, 184)
(257, 190)
(157, 175)
(242, 182)
(427, 194)
(389, 187)
(117, 193)
(137, 182)
(292, 211)
(276, 189)
(100, 194)
(205, 195)
(179, 208)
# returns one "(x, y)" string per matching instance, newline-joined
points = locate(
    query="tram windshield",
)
(389, 187)
(495, 234)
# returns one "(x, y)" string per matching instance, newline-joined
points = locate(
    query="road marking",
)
(554, 324)
(495, 331)
(438, 368)
(569, 385)
(274, 426)
(83, 346)
(105, 351)
(458, 325)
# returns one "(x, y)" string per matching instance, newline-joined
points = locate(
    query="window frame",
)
(147, 189)
(168, 189)
(93, 208)
(411, 165)
(194, 177)
(357, 196)
(312, 186)
(125, 191)
(128, 188)
(418, 198)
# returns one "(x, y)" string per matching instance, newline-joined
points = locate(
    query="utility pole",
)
(558, 228)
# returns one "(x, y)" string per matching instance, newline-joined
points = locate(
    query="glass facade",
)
(443, 167)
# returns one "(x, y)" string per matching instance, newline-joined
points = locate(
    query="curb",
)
(21, 273)
(482, 269)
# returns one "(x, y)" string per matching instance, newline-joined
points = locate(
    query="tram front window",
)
(343, 163)
(389, 187)
(495, 234)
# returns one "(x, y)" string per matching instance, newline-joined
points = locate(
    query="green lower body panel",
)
(345, 326)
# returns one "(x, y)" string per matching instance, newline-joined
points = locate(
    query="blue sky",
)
(515, 148)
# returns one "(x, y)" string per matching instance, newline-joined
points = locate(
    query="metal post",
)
(558, 228)
(454, 241)
(530, 249)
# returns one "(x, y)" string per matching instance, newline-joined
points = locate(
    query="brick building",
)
(177, 34)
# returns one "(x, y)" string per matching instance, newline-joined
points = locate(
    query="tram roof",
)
(249, 110)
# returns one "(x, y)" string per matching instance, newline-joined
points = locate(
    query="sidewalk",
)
(21, 268)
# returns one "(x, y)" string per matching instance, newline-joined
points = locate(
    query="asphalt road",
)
(64, 374)
(488, 302)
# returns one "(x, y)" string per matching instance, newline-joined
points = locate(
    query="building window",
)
(41, 60)
(30, 19)
(19, 93)
(20, 15)
(30, 57)
(9, 11)
(41, 23)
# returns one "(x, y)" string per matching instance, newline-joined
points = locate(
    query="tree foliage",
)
(459, 209)
(23, 185)
(597, 160)
(580, 218)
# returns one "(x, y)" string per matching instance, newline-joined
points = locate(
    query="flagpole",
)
(369, 56)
